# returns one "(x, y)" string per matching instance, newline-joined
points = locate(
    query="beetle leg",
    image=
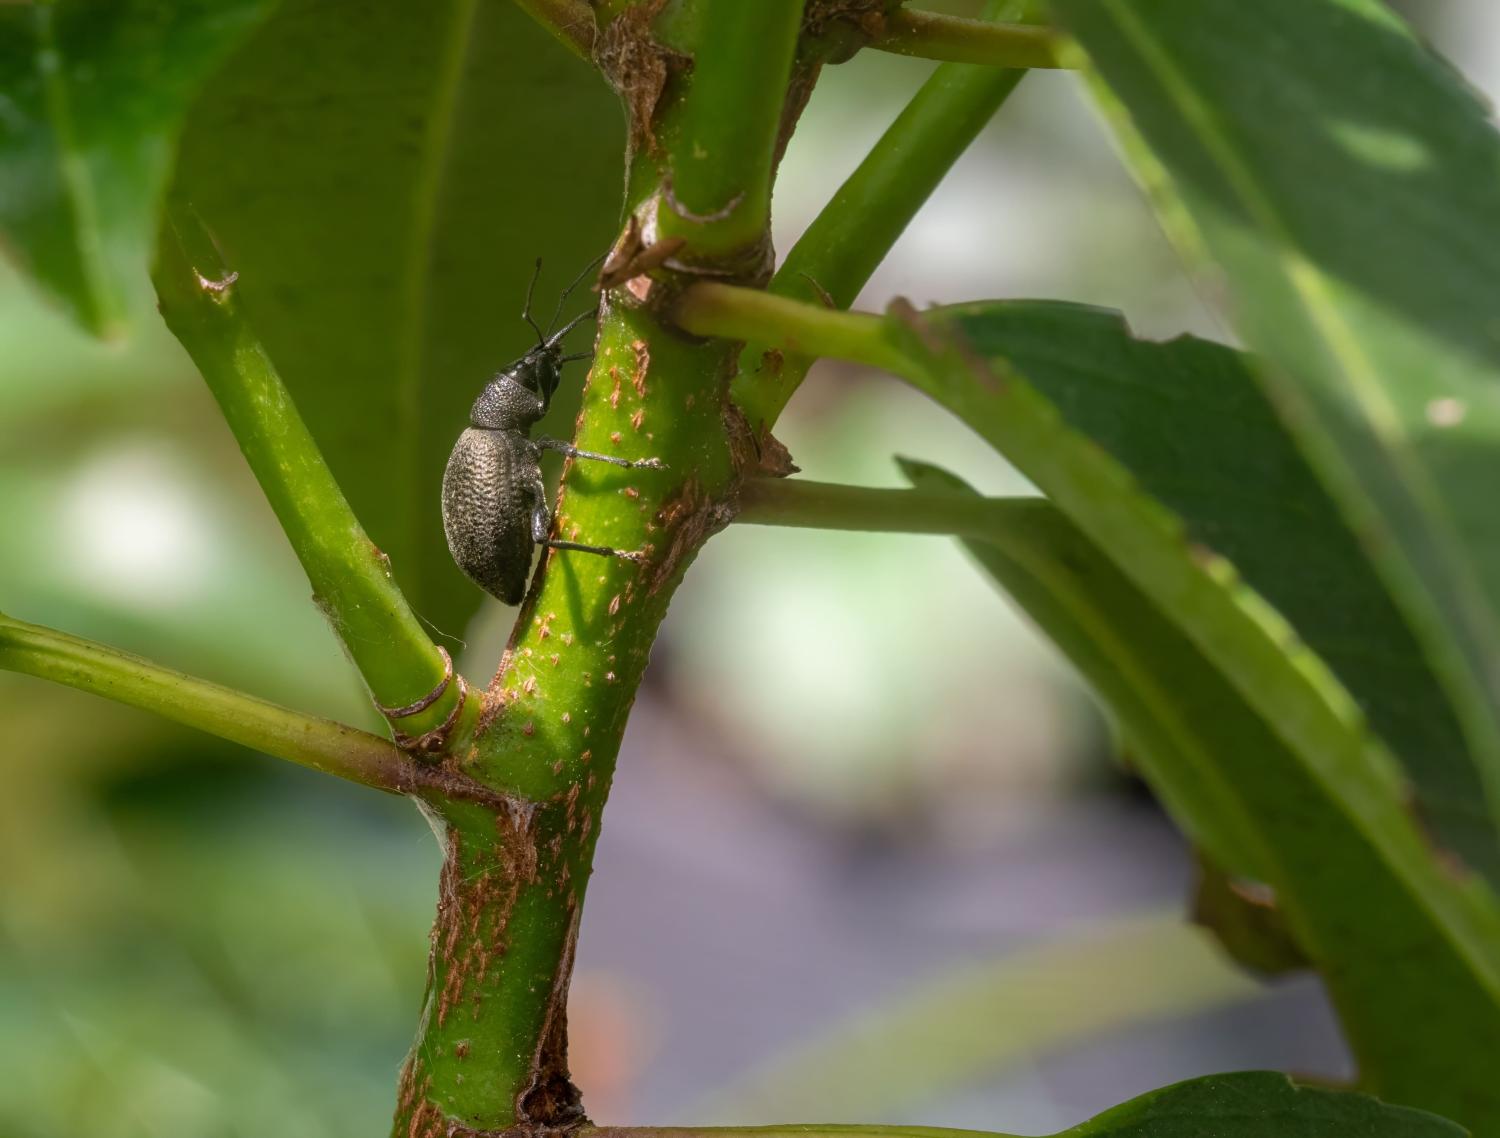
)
(541, 523)
(571, 451)
(541, 517)
(601, 550)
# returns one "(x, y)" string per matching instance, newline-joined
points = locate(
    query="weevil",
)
(495, 509)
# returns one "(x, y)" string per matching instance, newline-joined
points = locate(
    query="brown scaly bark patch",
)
(687, 520)
(638, 67)
(632, 258)
(755, 451)
(832, 32)
(551, 1100)
(477, 893)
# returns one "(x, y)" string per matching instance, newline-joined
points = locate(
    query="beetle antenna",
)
(526, 311)
(575, 356)
(567, 292)
(557, 337)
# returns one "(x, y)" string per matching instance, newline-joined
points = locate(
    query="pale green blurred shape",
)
(990, 1016)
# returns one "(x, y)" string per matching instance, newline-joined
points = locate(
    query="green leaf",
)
(1340, 184)
(1259, 1104)
(1294, 793)
(382, 181)
(1189, 422)
(92, 94)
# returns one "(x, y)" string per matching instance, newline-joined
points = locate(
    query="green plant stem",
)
(804, 503)
(719, 169)
(933, 35)
(736, 313)
(491, 1050)
(844, 245)
(350, 577)
(570, 21)
(310, 742)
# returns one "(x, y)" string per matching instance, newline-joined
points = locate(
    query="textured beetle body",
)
(490, 490)
(494, 502)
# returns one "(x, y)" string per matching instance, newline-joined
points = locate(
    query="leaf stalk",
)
(318, 744)
(803, 503)
(351, 578)
(957, 39)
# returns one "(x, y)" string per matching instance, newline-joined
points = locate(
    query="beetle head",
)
(540, 370)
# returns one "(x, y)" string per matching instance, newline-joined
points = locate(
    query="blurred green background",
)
(809, 851)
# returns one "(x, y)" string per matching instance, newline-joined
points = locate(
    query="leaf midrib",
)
(437, 145)
(73, 171)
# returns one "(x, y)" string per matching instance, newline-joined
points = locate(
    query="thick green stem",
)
(845, 244)
(491, 1050)
(719, 168)
(933, 35)
(803, 503)
(317, 743)
(350, 577)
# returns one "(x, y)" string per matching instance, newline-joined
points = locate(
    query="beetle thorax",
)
(507, 403)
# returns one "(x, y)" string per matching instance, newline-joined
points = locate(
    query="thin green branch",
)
(350, 577)
(321, 744)
(804, 503)
(720, 165)
(734, 313)
(844, 245)
(570, 21)
(932, 35)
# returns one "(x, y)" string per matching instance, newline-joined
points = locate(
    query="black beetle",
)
(494, 503)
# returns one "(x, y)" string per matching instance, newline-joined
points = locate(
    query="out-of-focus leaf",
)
(92, 94)
(1259, 1104)
(1188, 421)
(218, 945)
(382, 177)
(1340, 185)
(973, 1023)
(1307, 801)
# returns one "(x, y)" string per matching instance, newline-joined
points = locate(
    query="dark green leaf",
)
(1188, 421)
(382, 176)
(1345, 185)
(92, 93)
(1251, 740)
(1259, 1104)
